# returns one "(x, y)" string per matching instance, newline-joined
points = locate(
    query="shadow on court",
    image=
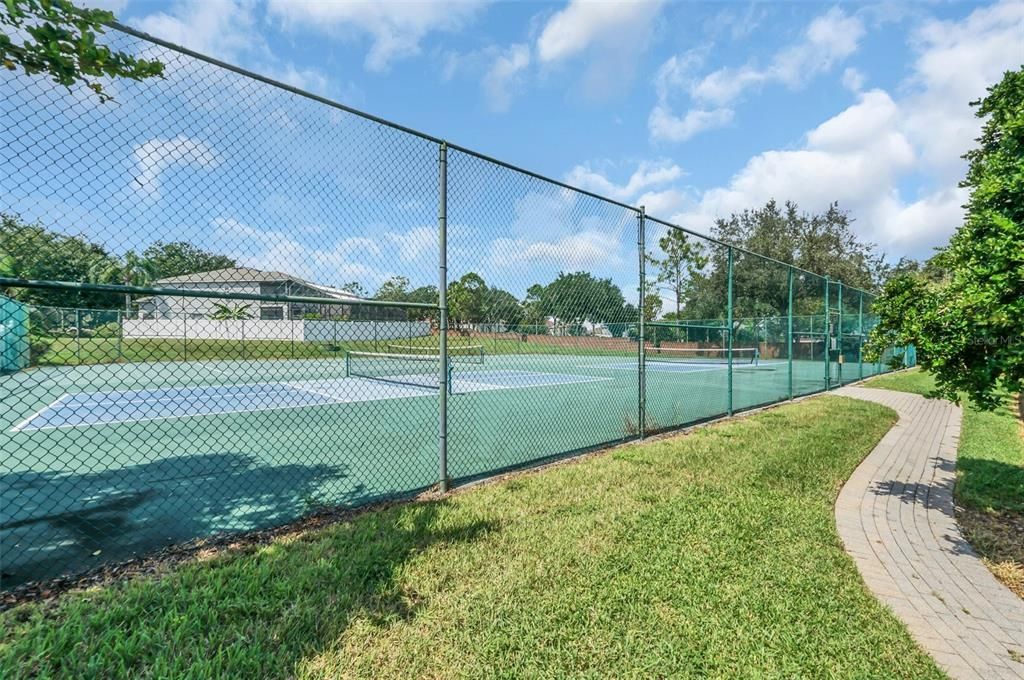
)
(55, 523)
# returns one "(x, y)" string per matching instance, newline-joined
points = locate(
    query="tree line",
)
(691, 273)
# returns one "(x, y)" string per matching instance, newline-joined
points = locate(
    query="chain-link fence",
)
(232, 303)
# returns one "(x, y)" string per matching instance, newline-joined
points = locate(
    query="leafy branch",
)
(57, 38)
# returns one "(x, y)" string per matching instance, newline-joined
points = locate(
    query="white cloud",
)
(647, 175)
(155, 156)
(395, 28)
(855, 158)
(584, 250)
(956, 62)
(224, 29)
(415, 243)
(662, 203)
(853, 79)
(829, 39)
(677, 73)
(612, 35)
(348, 259)
(862, 156)
(584, 23)
(662, 124)
(308, 79)
(505, 75)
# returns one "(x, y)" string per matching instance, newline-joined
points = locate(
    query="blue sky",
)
(695, 110)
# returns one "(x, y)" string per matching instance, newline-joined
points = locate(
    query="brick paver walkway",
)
(895, 516)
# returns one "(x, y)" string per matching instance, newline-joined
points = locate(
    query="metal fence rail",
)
(233, 303)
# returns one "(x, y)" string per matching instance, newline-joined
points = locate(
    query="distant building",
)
(249, 281)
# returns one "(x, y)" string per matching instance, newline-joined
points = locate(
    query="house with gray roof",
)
(248, 281)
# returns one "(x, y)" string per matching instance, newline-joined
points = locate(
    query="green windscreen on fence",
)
(14, 341)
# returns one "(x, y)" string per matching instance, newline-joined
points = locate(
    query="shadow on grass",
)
(290, 601)
(993, 485)
(56, 523)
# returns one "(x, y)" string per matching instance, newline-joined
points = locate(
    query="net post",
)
(641, 359)
(828, 337)
(729, 330)
(860, 337)
(789, 333)
(442, 325)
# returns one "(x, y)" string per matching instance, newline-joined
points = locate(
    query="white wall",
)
(255, 329)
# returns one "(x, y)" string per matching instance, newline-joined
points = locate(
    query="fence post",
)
(442, 326)
(641, 351)
(184, 336)
(789, 332)
(839, 339)
(729, 331)
(860, 337)
(120, 336)
(828, 336)
(78, 335)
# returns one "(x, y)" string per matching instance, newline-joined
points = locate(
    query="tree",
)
(37, 253)
(355, 288)
(466, 298)
(59, 39)
(578, 297)
(395, 289)
(683, 259)
(180, 257)
(132, 271)
(822, 243)
(968, 326)
(534, 316)
(224, 312)
(501, 306)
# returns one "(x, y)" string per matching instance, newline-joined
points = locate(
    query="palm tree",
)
(230, 313)
(134, 271)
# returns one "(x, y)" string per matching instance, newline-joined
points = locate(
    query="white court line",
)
(366, 382)
(462, 385)
(157, 400)
(333, 400)
(17, 428)
(188, 415)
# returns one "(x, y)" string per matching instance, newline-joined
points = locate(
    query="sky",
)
(694, 110)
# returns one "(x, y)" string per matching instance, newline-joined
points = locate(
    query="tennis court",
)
(165, 452)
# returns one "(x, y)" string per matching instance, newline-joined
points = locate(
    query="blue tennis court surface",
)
(106, 408)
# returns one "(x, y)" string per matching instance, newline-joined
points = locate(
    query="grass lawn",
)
(990, 478)
(709, 554)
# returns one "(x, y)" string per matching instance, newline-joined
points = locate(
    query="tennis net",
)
(687, 355)
(470, 354)
(401, 369)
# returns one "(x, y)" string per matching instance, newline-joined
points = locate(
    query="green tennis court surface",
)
(104, 461)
